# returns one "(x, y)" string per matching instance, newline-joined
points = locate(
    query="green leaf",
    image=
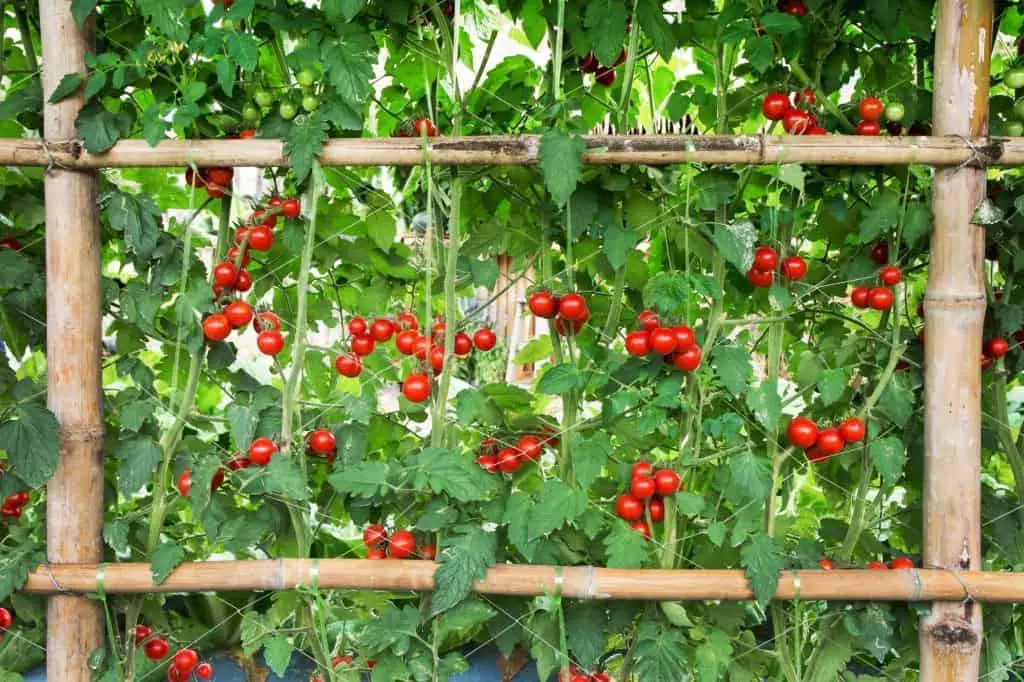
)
(779, 22)
(763, 560)
(760, 52)
(872, 630)
(81, 9)
(735, 241)
(367, 479)
(834, 655)
(626, 547)
(348, 64)
(605, 22)
(346, 10)
(277, 652)
(139, 458)
(535, 351)
(832, 384)
(987, 213)
(619, 242)
(651, 16)
(154, 127)
(660, 653)
(917, 224)
(167, 557)
(381, 229)
(169, 17)
(793, 174)
(394, 628)
(98, 128)
(242, 425)
(766, 404)
(749, 477)
(667, 293)
(584, 625)
(115, 534)
(204, 468)
(443, 471)
(883, 215)
(559, 379)
(465, 559)
(137, 216)
(713, 656)
(284, 477)
(556, 505)
(733, 366)
(226, 75)
(97, 81)
(68, 86)
(889, 457)
(464, 618)
(31, 442)
(304, 141)
(897, 402)
(561, 161)
(589, 455)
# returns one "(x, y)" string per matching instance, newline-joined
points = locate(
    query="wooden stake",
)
(74, 497)
(951, 635)
(832, 150)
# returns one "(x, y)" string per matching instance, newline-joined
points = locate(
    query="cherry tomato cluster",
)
(795, 7)
(288, 104)
(647, 487)
(882, 297)
(577, 675)
(509, 460)
(185, 482)
(766, 260)
(796, 120)
(820, 445)
(677, 344)
(570, 312)
(12, 505)
(215, 180)
(899, 563)
(343, 660)
(416, 127)
(1014, 78)
(604, 75)
(6, 621)
(399, 545)
(870, 109)
(184, 664)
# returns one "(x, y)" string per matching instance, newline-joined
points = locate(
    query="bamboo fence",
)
(951, 634)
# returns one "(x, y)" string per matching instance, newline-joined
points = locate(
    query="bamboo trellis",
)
(950, 635)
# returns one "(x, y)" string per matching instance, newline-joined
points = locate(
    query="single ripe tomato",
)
(485, 339)
(219, 176)
(796, 122)
(266, 320)
(416, 388)
(826, 564)
(204, 671)
(774, 106)
(641, 469)
(572, 307)
(185, 483)
(140, 632)
(186, 660)
(638, 344)
(685, 338)
(640, 526)
(542, 304)
(802, 432)
(261, 238)
(290, 208)
(382, 330)
(215, 191)
(244, 281)
(357, 326)
(794, 268)
(869, 128)
(463, 345)
(860, 296)
(530, 448)
(402, 544)
(225, 274)
(765, 258)
(270, 342)
(890, 275)
(795, 7)
(648, 319)
(509, 460)
(438, 330)
(880, 298)
(589, 63)
(322, 442)
(901, 563)
(194, 177)
(666, 481)
(239, 313)
(817, 130)
(428, 552)
(362, 344)
(871, 109)
(760, 278)
(879, 252)
(216, 327)
(374, 535)
(814, 454)
(568, 327)
(259, 217)
(877, 566)
(642, 487)
(996, 347)
(348, 365)
(408, 321)
(437, 359)
(806, 98)
(420, 347)
(852, 430)
(488, 462)
(237, 462)
(424, 126)
(656, 509)
(663, 341)
(156, 649)
(829, 441)
(405, 341)
(629, 507)
(688, 360)
(606, 77)
(261, 450)
(376, 555)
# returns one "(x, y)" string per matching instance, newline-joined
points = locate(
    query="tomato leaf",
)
(897, 401)
(605, 22)
(68, 86)
(589, 455)
(763, 560)
(139, 458)
(167, 557)
(305, 140)
(443, 471)
(366, 479)
(99, 128)
(31, 442)
(713, 656)
(733, 366)
(348, 63)
(584, 625)
(81, 9)
(651, 16)
(889, 457)
(735, 241)
(464, 559)
(660, 652)
(169, 17)
(346, 10)
(394, 628)
(284, 477)
(766, 404)
(883, 215)
(832, 384)
(667, 293)
(560, 379)
(626, 547)
(779, 22)
(277, 652)
(561, 161)
(749, 477)
(619, 242)
(138, 217)
(556, 505)
(536, 350)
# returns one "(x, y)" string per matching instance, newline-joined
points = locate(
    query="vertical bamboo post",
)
(951, 635)
(74, 496)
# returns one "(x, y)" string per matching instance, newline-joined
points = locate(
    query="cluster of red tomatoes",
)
(647, 488)
(508, 460)
(604, 75)
(766, 259)
(417, 127)
(577, 675)
(570, 312)
(820, 445)
(185, 662)
(677, 344)
(900, 563)
(795, 119)
(12, 505)
(6, 621)
(184, 482)
(215, 180)
(343, 660)
(399, 545)
(879, 298)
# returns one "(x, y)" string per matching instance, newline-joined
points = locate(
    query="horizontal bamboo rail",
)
(577, 582)
(832, 150)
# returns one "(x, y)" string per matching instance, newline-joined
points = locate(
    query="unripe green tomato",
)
(1014, 78)
(310, 103)
(251, 113)
(263, 98)
(1014, 129)
(287, 110)
(306, 77)
(1018, 108)
(228, 24)
(895, 112)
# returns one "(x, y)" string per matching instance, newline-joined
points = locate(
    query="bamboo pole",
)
(832, 150)
(577, 582)
(74, 496)
(951, 634)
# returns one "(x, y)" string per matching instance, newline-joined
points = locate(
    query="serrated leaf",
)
(834, 655)
(832, 384)
(735, 241)
(465, 618)
(779, 22)
(242, 425)
(619, 242)
(667, 293)
(794, 175)
(97, 81)
(584, 625)
(366, 479)
(883, 215)
(559, 379)
(81, 9)
(394, 628)
(651, 17)
(464, 559)
(305, 139)
(733, 366)
(139, 458)
(536, 350)
(660, 652)
(68, 86)
(889, 457)
(626, 548)
(167, 557)
(766, 404)
(763, 560)
(284, 477)
(381, 229)
(897, 402)
(31, 442)
(987, 213)
(137, 217)
(169, 17)
(98, 128)
(346, 10)
(443, 471)
(713, 656)
(115, 534)
(589, 455)
(749, 477)
(556, 505)
(561, 161)
(917, 224)
(348, 64)
(277, 652)
(605, 22)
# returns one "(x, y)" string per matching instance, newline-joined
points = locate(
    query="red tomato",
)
(421, 346)
(239, 313)
(437, 359)
(374, 535)
(233, 254)
(817, 130)
(606, 77)
(806, 97)
(901, 563)
(238, 462)
(376, 555)
(880, 252)
(463, 345)
(629, 508)
(572, 307)
(416, 388)
(600, 676)
(266, 320)
(357, 326)
(565, 327)
(829, 441)
(814, 454)
(185, 483)
(802, 432)
(509, 460)
(382, 330)
(270, 342)
(205, 670)
(219, 176)
(656, 509)
(402, 544)
(438, 330)
(258, 217)
(424, 126)
(216, 327)
(225, 274)
(244, 281)
(794, 268)
(348, 365)
(642, 487)
(860, 296)
(688, 360)
(405, 341)
(261, 238)
(322, 442)
(428, 552)
(667, 481)
(485, 339)
(663, 341)
(765, 258)
(796, 122)
(638, 344)
(194, 177)
(640, 526)
(826, 564)
(362, 344)
(685, 338)
(880, 298)
(290, 208)
(852, 430)
(141, 632)
(542, 304)
(878, 566)
(871, 109)
(795, 7)
(530, 448)
(589, 63)
(760, 278)
(488, 463)
(996, 347)
(261, 450)
(774, 106)
(648, 319)
(641, 469)
(890, 275)
(215, 191)
(408, 321)
(869, 128)
(186, 660)
(156, 649)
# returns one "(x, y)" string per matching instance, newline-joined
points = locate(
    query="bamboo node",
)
(82, 434)
(955, 633)
(982, 155)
